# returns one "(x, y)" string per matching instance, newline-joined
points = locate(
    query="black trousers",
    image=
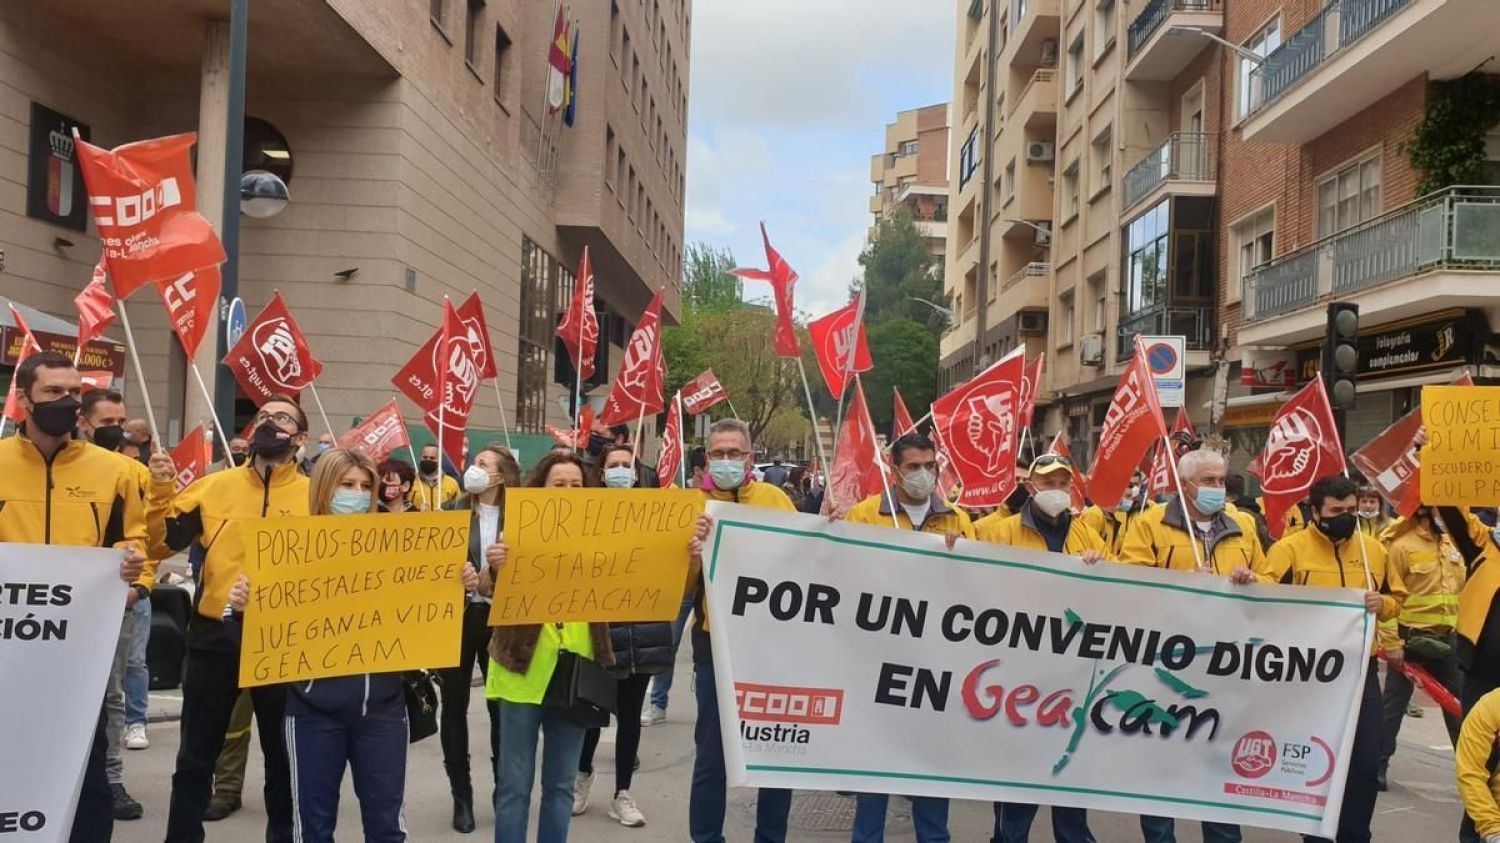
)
(630, 699)
(454, 717)
(1476, 685)
(1361, 790)
(210, 686)
(94, 820)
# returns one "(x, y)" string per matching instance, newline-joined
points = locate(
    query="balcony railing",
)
(1457, 228)
(1155, 14)
(1185, 156)
(1340, 24)
(1195, 323)
(1034, 269)
(1041, 76)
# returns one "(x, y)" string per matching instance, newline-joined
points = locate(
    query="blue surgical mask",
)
(727, 474)
(349, 502)
(1209, 500)
(323, 447)
(619, 477)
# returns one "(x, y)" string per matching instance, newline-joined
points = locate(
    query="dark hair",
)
(400, 468)
(910, 442)
(620, 430)
(549, 460)
(26, 372)
(1234, 485)
(100, 396)
(610, 449)
(697, 458)
(287, 399)
(1335, 486)
(1367, 491)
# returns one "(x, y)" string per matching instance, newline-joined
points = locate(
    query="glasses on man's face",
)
(282, 420)
(736, 456)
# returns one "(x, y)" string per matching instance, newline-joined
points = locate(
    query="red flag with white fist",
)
(273, 356)
(1302, 448)
(976, 425)
(579, 328)
(638, 386)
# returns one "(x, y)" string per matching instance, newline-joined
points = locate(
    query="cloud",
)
(826, 286)
(708, 222)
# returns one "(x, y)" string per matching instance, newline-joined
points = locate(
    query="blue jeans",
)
(929, 818)
(1161, 830)
(661, 685)
(137, 677)
(1013, 823)
(562, 745)
(706, 801)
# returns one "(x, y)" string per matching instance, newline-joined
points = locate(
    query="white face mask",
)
(1052, 502)
(476, 480)
(919, 484)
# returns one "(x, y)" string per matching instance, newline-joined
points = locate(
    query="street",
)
(1421, 804)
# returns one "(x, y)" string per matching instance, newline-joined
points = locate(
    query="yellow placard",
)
(1461, 460)
(595, 555)
(340, 595)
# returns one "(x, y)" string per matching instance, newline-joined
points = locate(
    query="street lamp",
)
(945, 312)
(1243, 53)
(1046, 234)
(262, 194)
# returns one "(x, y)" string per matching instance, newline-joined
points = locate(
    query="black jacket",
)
(641, 647)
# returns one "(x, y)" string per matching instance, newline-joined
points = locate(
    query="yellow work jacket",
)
(1434, 573)
(941, 518)
(1112, 525)
(83, 496)
(423, 496)
(1478, 782)
(1159, 538)
(1020, 530)
(1309, 558)
(753, 493)
(209, 512)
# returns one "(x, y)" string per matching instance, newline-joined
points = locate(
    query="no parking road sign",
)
(1164, 357)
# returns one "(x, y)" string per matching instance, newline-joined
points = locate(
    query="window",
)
(1074, 69)
(473, 17)
(437, 10)
(1349, 196)
(609, 157)
(614, 32)
(1101, 158)
(968, 157)
(502, 70)
(1099, 295)
(620, 169)
(1145, 270)
(1010, 180)
(630, 188)
(1018, 9)
(907, 148)
(1069, 316)
(1070, 191)
(1104, 28)
(543, 281)
(1261, 44)
(1255, 241)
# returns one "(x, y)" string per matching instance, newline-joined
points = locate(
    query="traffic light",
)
(1341, 354)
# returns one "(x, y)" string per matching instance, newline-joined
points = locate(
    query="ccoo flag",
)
(1132, 423)
(96, 308)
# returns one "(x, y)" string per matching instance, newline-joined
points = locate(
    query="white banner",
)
(60, 615)
(865, 659)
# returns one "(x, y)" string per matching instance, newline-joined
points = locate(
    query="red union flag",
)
(856, 462)
(783, 279)
(670, 461)
(458, 375)
(96, 380)
(1159, 479)
(1031, 379)
(976, 426)
(193, 455)
(272, 357)
(418, 379)
(901, 423)
(1390, 460)
(142, 196)
(29, 346)
(579, 329)
(835, 338)
(190, 301)
(1131, 424)
(380, 434)
(96, 308)
(638, 385)
(1302, 448)
(1060, 447)
(702, 392)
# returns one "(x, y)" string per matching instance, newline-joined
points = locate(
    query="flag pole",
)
(640, 424)
(885, 473)
(504, 425)
(140, 374)
(732, 410)
(409, 449)
(681, 442)
(813, 414)
(1187, 518)
(313, 388)
(209, 403)
(446, 343)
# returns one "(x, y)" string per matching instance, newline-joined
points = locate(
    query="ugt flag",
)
(1031, 381)
(975, 425)
(273, 356)
(459, 373)
(839, 342)
(418, 379)
(643, 373)
(579, 328)
(1302, 448)
(1131, 424)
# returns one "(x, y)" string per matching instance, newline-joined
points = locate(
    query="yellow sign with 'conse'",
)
(341, 595)
(594, 555)
(1461, 460)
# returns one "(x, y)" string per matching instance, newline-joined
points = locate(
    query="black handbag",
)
(420, 688)
(581, 690)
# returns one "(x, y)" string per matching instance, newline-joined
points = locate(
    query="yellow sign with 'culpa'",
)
(594, 555)
(1461, 460)
(341, 595)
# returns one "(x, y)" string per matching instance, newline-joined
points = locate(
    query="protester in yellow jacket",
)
(1113, 524)
(213, 513)
(1219, 541)
(433, 488)
(1373, 520)
(1474, 762)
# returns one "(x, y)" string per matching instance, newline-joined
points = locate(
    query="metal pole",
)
(229, 234)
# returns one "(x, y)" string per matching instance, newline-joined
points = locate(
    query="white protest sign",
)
(862, 658)
(60, 615)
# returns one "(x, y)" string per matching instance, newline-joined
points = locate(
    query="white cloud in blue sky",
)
(788, 101)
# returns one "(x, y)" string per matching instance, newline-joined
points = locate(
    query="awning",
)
(60, 335)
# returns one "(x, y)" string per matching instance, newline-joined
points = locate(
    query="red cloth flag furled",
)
(273, 357)
(1031, 379)
(1390, 462)
(1302, 448)
(378, 435)
(839, 343)
(702, 392)
(782, 279)
(577, 439)
(143, 199)
(1079, 491)
(901, 423)
(190, 301)
(579, 328)
(643, 373)
(96, 308)
(477, 334)
(1132, 423)
(670, 461)
(458, 376)
(418, 379)
(29, 346)
(96, 380)
(1159, 478)
(193, 455)
(976, 425)
(856, 471)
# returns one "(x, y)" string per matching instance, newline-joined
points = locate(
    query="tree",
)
(906, 356)
(898, 268)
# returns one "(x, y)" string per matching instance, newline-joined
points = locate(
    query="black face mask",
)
(597, 443)
(1017, 499)
(109, 437)
(238, 458)
(271, 442)
(1339, 527)
(56, 418)
(427, 466)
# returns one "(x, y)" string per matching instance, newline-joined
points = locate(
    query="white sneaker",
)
(135, 736)
(623, 809)
(581, 785)
(654, 714)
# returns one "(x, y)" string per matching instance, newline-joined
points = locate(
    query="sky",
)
(787, 101)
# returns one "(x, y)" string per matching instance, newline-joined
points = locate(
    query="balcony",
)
(1160, 42)
(1451, 239)
(1196, 323)
(1031, 23)
(1184, 164)
(1037, 104)
(1354, 52)
(1035, 269)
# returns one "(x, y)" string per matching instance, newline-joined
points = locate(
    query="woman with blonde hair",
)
(356, 721)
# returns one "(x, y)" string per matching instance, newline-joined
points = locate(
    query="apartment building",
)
(422, 162)
(911, 172)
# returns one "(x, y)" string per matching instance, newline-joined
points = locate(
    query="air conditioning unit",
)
(1040, 152)
(1049, 52)
(1091, 350)
(1043, 232)
(1031, 322)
